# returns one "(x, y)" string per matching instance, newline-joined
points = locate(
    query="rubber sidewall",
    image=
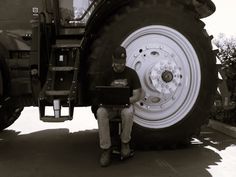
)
(130, 20)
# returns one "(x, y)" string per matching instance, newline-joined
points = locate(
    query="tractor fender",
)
(204, 8)
(1, 84)
(7, 43)
(4, 77)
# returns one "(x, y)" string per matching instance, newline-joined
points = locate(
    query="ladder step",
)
(63, 68)
(53, 119)
(60, 43)
(57, 92)
(66, 46)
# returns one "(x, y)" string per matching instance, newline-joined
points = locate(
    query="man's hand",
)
(137, 95)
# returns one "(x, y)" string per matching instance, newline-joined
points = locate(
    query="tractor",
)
(69, 46)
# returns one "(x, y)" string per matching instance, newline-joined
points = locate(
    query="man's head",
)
(119, 59)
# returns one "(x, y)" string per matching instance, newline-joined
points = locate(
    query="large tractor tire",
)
(9, 111)
(170, 50)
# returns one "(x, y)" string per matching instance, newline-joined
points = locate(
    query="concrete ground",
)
(223, 128)
(64, 152)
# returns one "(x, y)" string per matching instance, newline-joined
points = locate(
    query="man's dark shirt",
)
(127, 78)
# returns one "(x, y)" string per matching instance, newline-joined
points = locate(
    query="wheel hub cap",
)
(167, 76)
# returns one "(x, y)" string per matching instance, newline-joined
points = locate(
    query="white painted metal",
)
(170, 73)
(57, 108)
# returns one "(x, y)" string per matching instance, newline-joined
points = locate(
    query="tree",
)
(227, 49)
(226, 110)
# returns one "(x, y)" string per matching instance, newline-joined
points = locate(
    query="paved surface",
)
(58, 153)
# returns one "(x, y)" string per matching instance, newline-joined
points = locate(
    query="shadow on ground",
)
(58, 153)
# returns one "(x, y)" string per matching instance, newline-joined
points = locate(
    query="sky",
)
(223, 20)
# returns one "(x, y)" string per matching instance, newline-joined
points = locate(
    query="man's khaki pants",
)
(103, 117)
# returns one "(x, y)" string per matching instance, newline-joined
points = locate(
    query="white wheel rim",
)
(170, 74)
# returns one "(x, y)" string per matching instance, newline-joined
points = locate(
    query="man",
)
(119, 76)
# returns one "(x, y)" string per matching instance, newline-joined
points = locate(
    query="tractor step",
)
(66, 46)
(57, 117)
(57, 92)
(62, 68)
(53, 119)
(60, 44)
(59, 88)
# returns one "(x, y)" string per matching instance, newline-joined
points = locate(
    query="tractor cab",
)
(74, 12)
(69, 16)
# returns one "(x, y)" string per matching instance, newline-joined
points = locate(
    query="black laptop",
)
(113, 96)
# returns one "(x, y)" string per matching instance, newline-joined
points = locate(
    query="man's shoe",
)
(105, 158)
(125, 150)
